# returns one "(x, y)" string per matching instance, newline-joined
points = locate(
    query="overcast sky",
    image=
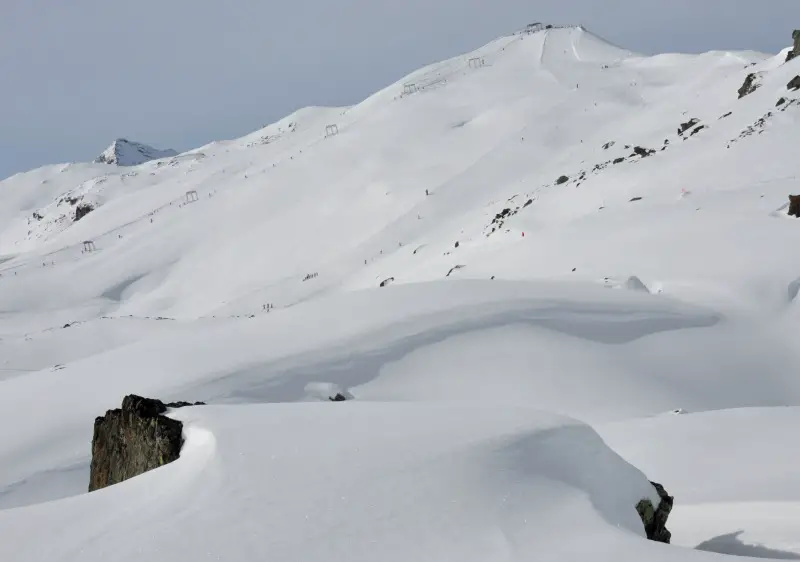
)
(76, 74)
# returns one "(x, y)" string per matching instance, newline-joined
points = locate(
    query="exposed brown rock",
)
(134, 439)
(794, 206)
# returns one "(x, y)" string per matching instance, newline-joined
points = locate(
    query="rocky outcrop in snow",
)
(123, 152)
(655, 518)
(134, 439)
(794, 206)
(82, 210)
(795, 52)
(749, 86)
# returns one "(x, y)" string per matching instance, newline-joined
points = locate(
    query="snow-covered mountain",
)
(123, 152)
(519, 263)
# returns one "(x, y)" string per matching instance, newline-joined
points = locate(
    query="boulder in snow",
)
(562, 179)
(794, 83)
(655, 518)
(794, 206)
(132, 440)
(123, 152)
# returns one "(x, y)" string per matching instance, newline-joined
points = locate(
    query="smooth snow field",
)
(520, 353)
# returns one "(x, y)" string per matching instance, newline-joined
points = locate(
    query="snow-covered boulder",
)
(635, 284)
(123, 152)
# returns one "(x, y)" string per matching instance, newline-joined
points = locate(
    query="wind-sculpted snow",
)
(550, 223)
(336, 482)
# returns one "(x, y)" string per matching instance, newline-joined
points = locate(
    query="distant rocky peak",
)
(123, 152)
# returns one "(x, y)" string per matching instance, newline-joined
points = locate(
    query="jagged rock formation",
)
(130, 441)
(82, 210)
(688, 125)
(655, 518)
(749, 86)
(794, 206)
(794, 83)
(795, 52)
(123, 152)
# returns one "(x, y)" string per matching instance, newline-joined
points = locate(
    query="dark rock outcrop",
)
(795, 52)
(696, 130)
(655, 518)
(688, 125)
(781, 101)
(134, 439)
(794, 83)
(749, 86)
(454, 268)
(338, 398)
(643, 152)
(794, 206)
(635, 199)
(562, 179)
(82, 210)
(619, 160)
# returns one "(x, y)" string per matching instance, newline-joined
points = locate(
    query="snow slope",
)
(518, 315)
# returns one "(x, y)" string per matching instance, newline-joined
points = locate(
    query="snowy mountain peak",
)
(123, 152)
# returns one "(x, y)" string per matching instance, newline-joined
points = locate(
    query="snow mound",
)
(731, 472)
(343, 484)
(124, 152)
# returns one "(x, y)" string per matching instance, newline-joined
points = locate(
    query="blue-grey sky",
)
(76, 74)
